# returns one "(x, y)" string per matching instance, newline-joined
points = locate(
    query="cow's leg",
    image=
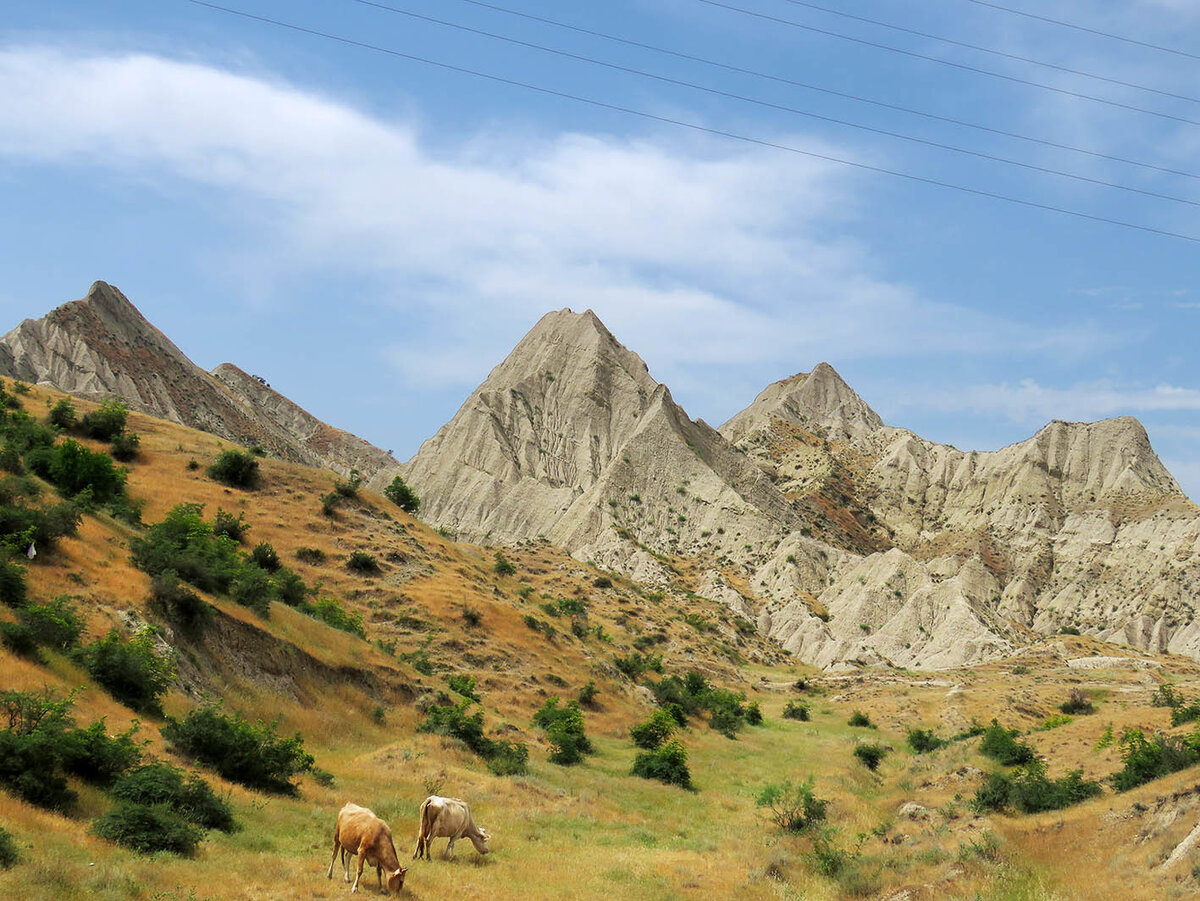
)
(362, 859)
(450, 847)
(333, 860)
(420, 843)
(346, 857)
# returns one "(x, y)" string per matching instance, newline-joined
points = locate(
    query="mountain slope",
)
(101, 346)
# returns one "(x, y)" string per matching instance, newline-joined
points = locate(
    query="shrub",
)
(330, 502)
(8, 850)
(330, 612)
(362, 562)
(12, 583)
(504, 758)
(1077, 702)
(264, 557)
(654, 732)
(922, 741)
(148, 830)
(858, 718)
(1001, 745)
(227, 525)
(636, 664)
(19, 639)
(1165, 696)
(251, 755)
(289, 587)
(587, 695)
(235, 468)
(31, 749)
(160, 783)
(602, 582)
(462, 684)
(1185, 713)
(796, 710)
(73, 470)
(1028, 790)
(348, 489)
(471, 616)
(870, 754)
(792, 807)
(311, 555)
(565, 731)
(253, 588)
(62, 415)
(133, 671)
(105, 422)
(1150, 758)
(95, 757)
(185, 543)
(55, 625)
(509, 758)
(125, 446)
(666, 764)
(402, 496)
(503, 566)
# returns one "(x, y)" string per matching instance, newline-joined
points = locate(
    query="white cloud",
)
(693, 251)
(1027, 401)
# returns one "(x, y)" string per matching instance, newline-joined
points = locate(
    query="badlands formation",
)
(845, 540)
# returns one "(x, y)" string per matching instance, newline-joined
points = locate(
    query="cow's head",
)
(395, 881)
(480, 841)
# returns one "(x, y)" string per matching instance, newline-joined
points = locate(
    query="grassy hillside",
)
(542, 626)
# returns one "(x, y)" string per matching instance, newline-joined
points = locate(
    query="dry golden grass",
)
(592, 830)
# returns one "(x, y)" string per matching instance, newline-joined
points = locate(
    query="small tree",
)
(792, 807)
(666, 764)
(133, 671)
(62, 415)
(503, 566)
(654, 732)
(235, 468)
(105, 422)
(565, 731)
(403, 496)
(870, 754)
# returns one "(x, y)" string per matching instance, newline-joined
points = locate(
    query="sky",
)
(983, 219)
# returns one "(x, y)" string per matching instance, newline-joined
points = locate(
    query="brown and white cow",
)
(448, 818)
(359, 831)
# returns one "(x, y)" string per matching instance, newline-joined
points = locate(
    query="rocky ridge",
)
(101, 347)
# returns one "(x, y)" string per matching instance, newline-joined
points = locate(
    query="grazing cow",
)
(448, 818)
(358, 831)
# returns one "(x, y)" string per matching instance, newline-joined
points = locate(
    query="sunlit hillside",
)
(528, 623)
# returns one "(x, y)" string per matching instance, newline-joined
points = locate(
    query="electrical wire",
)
(945, 62)
(1096, 31)
(1045, 170)
(693, 126)
(991, 50)
(829, 91)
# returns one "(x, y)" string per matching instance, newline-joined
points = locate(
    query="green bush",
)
(264, 557)
(1146, 759)
(402, 496)
(654, 732)
(235, 468)
(509, 758)
(330, 612)
(1028, 790)
(31, 749)
(462, 684)
(666, 764)
(125, 446)
(105, 422)
(922, 741)
(251, 755)
(310, 555)
(503, 566)
(793, 807)
(587, 695)
(858, 718)
(95, 756)
(8, 850)
(636, 664)
(252, 587)
(19, 639)
(177, 602)
(1077, 702)
(229, 526)
(565, 730)
(62, 415)
(871, 755)
(362, 562)
(504, 758)
(1001, 745)
(148, 830)
(193, 799)
(185, 543)
(12, 583)
(73, 469)
(796, 710)
(289, 587)
(133, 671)
(55, 625)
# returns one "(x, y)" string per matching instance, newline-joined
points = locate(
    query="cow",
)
(447, 818)
(359, 831)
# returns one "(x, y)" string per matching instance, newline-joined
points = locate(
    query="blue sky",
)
(372, 233)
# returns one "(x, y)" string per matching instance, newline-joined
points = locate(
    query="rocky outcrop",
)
(101, 347)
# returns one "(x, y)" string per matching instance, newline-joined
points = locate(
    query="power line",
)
(812, 87)
(991, 50)
(945, 62)
(704, 129)
(1096, 31)
(1046, 170)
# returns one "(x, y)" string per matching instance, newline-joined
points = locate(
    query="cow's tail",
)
(423, 829)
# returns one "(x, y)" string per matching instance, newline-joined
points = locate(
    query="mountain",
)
(844, 539)
(101, 346)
